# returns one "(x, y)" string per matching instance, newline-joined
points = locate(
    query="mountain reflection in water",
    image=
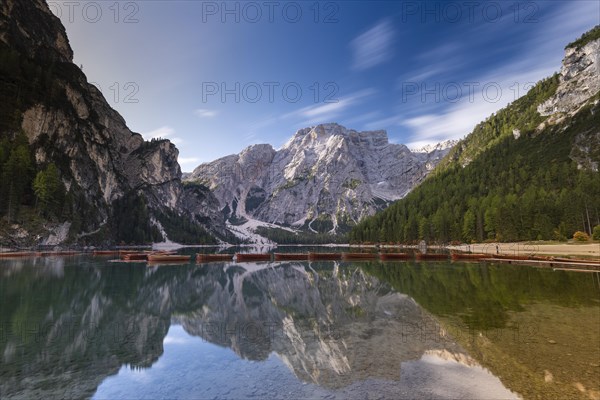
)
(318, 329)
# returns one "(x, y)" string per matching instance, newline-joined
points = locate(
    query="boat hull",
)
(394, 256)
(324, 256)
(167, 258)
(291, 256)
(359, 256)
(202, 258)
(247, 257)
(440, 257)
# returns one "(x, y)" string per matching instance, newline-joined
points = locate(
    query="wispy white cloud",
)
(385, 123)
(188, 161)
(544, 48)
(361, 118)
(423, 74)
(252, 137)
(175, 340)
(164, 132)
(459, 119)
(451, 124)
(374, 46)
(322, 113)
(188, 164)
(205, 113)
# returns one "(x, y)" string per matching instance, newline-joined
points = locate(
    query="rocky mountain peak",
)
(333, 134)
(30, 28)
(325, 178)
(255, 149)
(447, 144)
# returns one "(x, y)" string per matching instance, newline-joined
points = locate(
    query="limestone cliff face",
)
(326, 173)
(579, 80)
(579, 85)
(99, 157)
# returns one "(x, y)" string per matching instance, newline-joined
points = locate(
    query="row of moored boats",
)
(172, 257)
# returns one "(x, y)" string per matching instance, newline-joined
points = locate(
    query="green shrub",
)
(596, 233)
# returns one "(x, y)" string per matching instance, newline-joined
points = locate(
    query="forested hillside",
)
(506, 181)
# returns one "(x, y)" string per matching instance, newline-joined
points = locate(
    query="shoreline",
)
(589, 250)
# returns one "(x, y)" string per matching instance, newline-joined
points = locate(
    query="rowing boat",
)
(241, 257)
(291, 256)
(394, 256)
(202, 258)
(167, 258)
(324, 256)
(359, 256)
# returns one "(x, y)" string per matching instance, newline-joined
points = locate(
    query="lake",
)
(84, 327)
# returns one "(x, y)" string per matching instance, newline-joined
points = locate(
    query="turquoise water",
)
(83, 327)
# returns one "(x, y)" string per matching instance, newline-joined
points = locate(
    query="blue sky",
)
(216, 77)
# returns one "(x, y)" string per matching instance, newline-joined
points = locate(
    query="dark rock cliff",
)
(68, 122)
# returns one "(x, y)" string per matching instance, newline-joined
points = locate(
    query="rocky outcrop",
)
(579, 80)
(100, 159)
(30, 28)
(325, 174)
(586, 148)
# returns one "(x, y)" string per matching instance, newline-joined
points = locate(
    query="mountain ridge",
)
(325, 178)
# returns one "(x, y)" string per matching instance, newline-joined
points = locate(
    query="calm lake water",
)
(83, 327)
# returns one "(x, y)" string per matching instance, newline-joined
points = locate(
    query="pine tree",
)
(49, 191)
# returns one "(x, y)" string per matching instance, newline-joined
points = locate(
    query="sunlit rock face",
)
(579, 80)
(100, 159)
(326, 172)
